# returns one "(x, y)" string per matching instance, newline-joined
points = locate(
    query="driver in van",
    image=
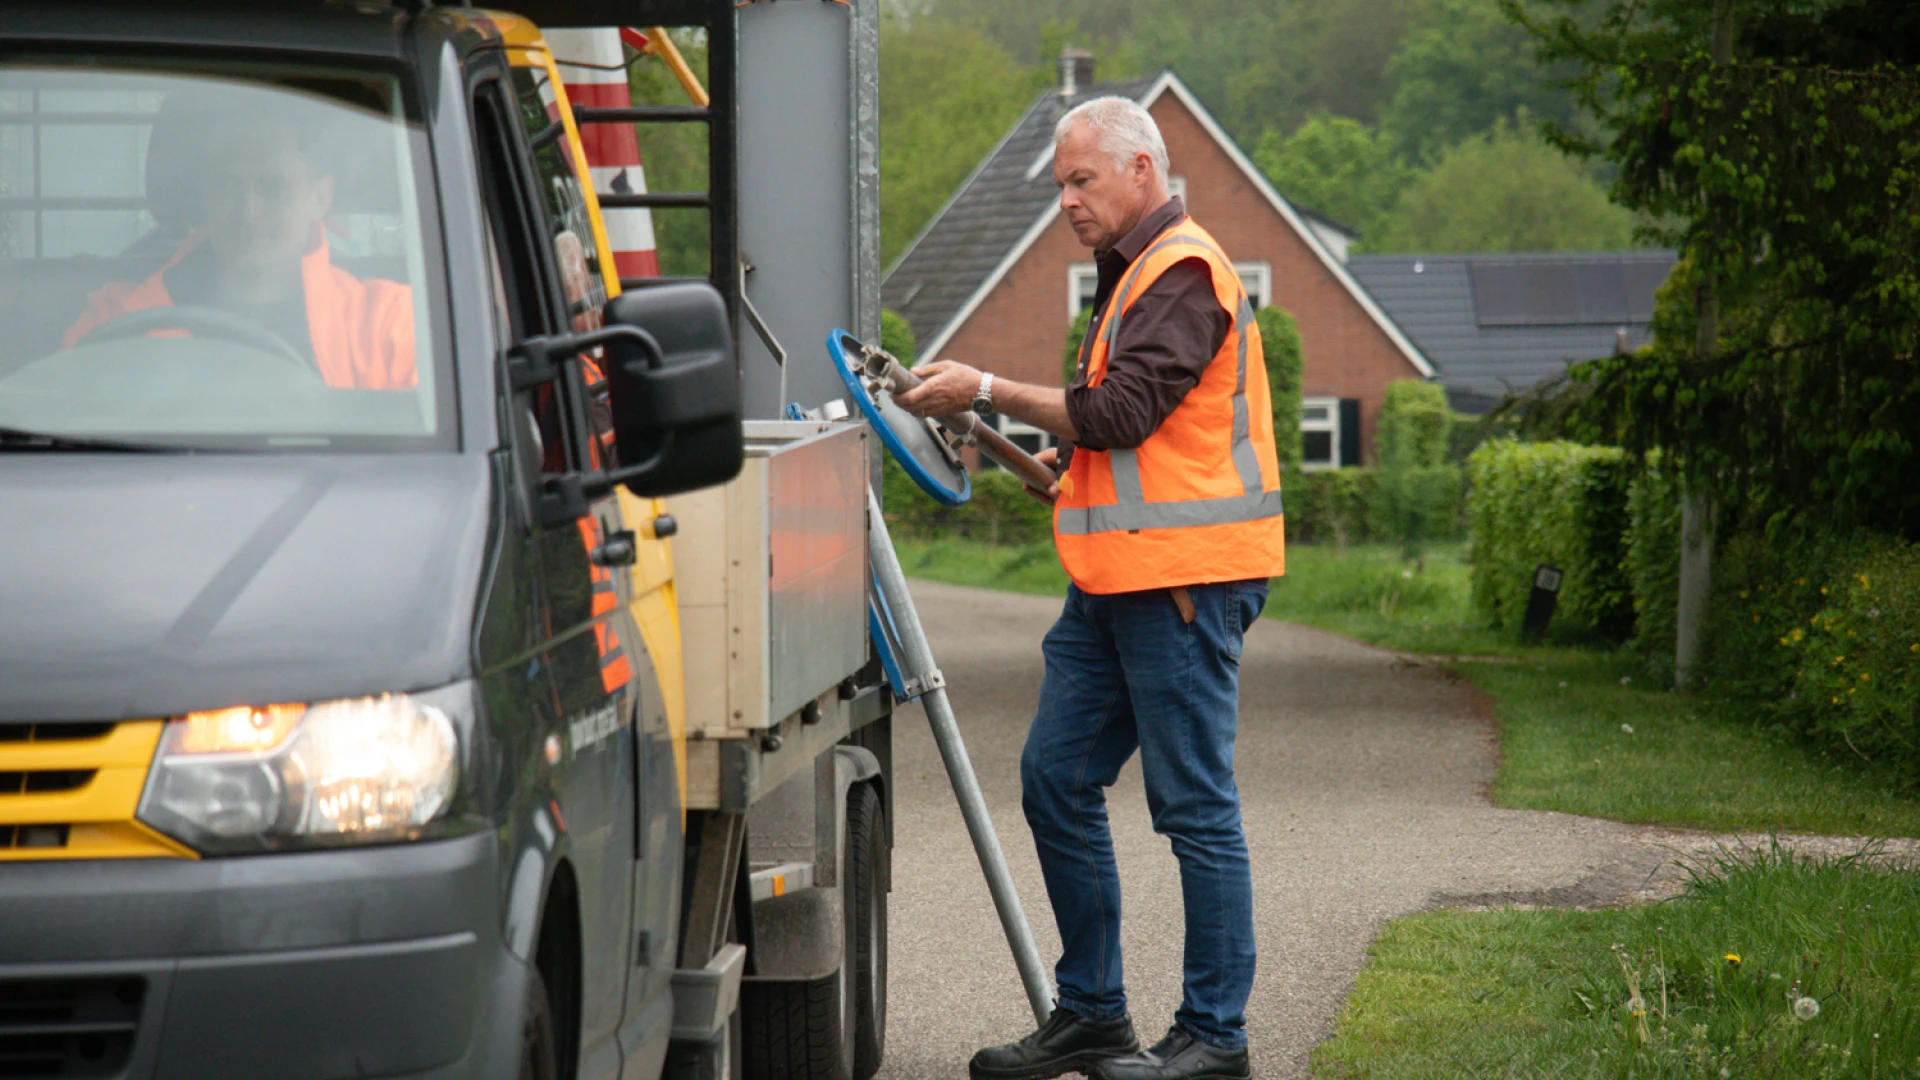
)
(260, 252)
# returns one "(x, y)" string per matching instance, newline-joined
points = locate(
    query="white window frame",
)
(1330, 425)
(1177, 187)
(1255, 277)
(1010, 427)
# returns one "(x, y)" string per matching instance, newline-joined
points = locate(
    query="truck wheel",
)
(867, 926)
(538, 1057)
(792, 1030)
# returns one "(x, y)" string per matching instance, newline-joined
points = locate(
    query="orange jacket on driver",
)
(1199, 500)
(362, 330)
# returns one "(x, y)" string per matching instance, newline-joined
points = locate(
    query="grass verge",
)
(1705, 985)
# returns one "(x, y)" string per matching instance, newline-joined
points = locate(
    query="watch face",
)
(982, 406)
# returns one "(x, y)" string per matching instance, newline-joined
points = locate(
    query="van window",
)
(221, 256)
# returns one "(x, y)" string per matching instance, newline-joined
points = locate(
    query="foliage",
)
(1335, 166)
(1460, 70)
(1330, 505)
(948, 94)
(1413, 426)
(1557, 504)
(1703, 986)
(1653, 563)
(1070, 355)
(896, 336)
(1000, 512)
(1280, 344)
(1821, 636)
(1793, 173)
(1504, 190)
(675, 156)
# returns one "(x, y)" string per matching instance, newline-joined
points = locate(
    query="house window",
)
(1083, 281)
(1177, 186)
(1319, 433)
(1025, 436)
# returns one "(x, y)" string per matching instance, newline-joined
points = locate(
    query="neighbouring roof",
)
(1496, 324)
(1010, 199)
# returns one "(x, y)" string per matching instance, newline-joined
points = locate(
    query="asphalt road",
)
(1363, 780)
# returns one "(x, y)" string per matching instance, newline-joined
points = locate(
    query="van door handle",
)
(617, 551)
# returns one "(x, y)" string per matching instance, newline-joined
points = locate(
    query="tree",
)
(1791, 161)
(1506, 190)
(896, 336)
(947, 95)
(1076, 333)
(1462, 68)
(1335, 166)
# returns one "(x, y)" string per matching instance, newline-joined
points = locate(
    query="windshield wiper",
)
(22, 439)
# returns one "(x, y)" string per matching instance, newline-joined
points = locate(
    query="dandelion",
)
(1873, 613)
(1823, 590)
(1637, 1005)
(1863, 581)
(1805, 1008)
(1866, 676)
(1628, 728)
(1732, 958)
(1563, 684)
(1625, 679)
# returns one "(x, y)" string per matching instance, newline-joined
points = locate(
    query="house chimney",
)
(1076, 71)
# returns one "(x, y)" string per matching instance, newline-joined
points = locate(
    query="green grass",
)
(1023, 568)
(1528, 994)
(1688, 760)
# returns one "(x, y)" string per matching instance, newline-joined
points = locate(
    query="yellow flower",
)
(1915, 647)
(1756, 619)
(1863, 581)
(1733, 958)
(1866, 677)
(1823, 590)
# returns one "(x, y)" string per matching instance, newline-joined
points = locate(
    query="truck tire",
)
(792, 1030)
(866, 905)
(538, 1057)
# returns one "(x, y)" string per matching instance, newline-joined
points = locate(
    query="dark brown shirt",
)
(1170, 335)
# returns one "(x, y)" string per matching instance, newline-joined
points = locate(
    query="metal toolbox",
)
(771, 571)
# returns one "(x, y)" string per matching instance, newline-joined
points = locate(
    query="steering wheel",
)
(203, 322)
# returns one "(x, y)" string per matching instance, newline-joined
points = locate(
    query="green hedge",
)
(1560, 504)
(1000, 512)
(1653, 562)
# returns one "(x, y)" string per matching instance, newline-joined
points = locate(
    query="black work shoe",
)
(1067, 1042)
(1179, 1056)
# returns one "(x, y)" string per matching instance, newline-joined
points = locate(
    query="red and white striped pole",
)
(613, 153)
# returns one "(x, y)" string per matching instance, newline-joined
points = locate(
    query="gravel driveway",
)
(1363, 778)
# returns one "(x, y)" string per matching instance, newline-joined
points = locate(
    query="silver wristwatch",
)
(983, 397)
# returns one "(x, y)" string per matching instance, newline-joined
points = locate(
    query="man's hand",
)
(1050, 458)
(946, 388)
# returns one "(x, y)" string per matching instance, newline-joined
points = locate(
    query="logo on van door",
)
(594, 726)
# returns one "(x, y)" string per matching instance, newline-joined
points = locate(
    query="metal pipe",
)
(953, 751)
(968, 426)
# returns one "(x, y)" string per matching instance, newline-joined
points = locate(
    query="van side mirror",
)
(674, 389)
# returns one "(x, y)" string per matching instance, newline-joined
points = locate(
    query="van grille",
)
(68, 1027)
(69, 791)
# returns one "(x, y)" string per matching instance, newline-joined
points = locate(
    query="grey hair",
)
(1120, 127)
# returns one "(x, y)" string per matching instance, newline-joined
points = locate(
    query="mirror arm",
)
(536, 360)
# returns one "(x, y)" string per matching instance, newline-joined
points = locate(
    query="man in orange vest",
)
(1167, 517)
(260, 253)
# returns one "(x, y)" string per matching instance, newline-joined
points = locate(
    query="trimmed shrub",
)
(1419, 491)
(1280, 344)
(896, 336)
(1000, 512)
(1330, 506)
(1561, 504)
(1653, 562)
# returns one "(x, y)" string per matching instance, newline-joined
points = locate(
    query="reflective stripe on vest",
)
(1131, 512)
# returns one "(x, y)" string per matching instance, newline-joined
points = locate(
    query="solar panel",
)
(1567, 292)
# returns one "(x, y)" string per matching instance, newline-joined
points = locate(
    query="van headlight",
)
(272, 777)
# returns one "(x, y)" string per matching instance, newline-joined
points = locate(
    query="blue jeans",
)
(1123, 671)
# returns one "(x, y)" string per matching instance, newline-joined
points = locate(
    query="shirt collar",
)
(1136, 241)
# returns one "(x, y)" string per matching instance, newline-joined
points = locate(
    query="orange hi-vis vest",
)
(1199, 501)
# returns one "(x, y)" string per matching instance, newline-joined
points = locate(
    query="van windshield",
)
(221, 257)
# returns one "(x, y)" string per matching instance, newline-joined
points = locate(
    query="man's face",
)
(261, 200)
(1103, 201)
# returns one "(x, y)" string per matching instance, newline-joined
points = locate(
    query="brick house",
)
(997, 276)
